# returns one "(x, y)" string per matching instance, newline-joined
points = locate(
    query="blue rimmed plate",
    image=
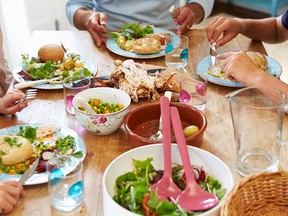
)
(40, 178)
(274, 68)
(87, 63)
(112, 45)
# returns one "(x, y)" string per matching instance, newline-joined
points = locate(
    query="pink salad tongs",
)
(193, 197)
(166, 188)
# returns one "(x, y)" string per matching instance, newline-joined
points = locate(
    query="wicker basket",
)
(260, 194)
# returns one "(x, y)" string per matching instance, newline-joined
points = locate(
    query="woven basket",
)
(260, 194)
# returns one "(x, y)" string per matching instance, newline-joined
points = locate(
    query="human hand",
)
(185, 19)
(226, 27)
(8, 104)
(96, 26)
(10, 192)
(238, 67)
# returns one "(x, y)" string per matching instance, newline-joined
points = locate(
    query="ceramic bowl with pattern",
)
(102, 124)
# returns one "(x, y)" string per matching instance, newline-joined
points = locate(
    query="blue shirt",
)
(285, 19)
(153, 12)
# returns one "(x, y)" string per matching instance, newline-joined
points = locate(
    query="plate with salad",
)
(139, 41)
(127, 181)
(72, 65)
(21, 145)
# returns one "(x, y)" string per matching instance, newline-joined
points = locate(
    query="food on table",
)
(257, 58)
(51, 52)
(139, 39)
(190, 130)
(132, 189)
(33, 142)
(71, 65)
(14, 149)
(135, 81)
(100, 107)
(146, 46)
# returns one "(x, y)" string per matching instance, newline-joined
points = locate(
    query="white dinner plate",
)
(87, 63)
(40, 178)
(274, 68)
(112, 45)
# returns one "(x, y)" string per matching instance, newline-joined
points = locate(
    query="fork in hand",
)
(29, 94)
(212, 52)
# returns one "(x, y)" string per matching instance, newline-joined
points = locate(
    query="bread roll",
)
(13, 154)
(258, 59)
(51, 52)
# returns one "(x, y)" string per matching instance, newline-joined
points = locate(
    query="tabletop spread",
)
(48, 108)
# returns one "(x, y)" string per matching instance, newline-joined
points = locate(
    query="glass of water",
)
(176, 51)
(65, 183)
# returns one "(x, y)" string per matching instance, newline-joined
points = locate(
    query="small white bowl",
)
(123, 163)
(102, 124)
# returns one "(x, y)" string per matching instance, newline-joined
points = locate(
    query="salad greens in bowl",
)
(127, 181)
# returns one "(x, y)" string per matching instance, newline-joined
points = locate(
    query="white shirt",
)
(152, 12)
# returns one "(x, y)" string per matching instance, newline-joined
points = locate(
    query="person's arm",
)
(10, 192)
(238, 67)
(193, 13)
(223, 29)
(269, 30)
(72, 6)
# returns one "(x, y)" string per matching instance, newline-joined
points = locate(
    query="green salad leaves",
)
(133, 193)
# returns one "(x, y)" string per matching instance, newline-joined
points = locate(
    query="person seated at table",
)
(89, 15)
(237, 65)
(10, 192)
(8, 98)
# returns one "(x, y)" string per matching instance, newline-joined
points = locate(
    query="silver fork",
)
(213, 53)
(29, 94)
(174, 12)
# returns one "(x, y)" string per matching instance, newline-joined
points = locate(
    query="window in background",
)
(19, 18)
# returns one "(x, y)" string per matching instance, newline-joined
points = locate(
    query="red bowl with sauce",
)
(143, 121)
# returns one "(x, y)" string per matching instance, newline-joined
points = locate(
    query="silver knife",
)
(29, 172)
(107, 77)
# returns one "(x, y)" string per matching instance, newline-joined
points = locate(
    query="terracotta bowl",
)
(143, 121)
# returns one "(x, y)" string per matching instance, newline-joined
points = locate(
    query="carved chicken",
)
(135, 81)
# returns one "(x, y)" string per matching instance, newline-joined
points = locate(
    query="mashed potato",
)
(20, 151)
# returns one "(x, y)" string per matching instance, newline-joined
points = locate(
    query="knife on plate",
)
(106, 77)
(29, 172)
(34, 82)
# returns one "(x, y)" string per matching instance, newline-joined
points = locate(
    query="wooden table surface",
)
(48, 107)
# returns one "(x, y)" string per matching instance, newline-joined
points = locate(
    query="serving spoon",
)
(82, 102)
(158, 135)
(166, 187)
(193, 197)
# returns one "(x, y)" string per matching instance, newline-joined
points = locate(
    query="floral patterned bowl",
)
(102, 124)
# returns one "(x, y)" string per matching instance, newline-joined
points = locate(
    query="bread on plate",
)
(257, 58)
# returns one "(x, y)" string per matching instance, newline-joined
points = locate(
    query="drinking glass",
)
(257, 116)
(193, 89)
(176, 51)
(65, 183)
(71, 86)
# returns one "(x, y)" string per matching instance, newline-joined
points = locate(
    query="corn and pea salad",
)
(100, 107)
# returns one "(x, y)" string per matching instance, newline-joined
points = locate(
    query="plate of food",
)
(215, 74)
(141, 42)
(54, 64)
(21, 145)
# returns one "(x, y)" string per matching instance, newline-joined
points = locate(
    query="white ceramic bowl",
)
(102, 124)
(123, 163)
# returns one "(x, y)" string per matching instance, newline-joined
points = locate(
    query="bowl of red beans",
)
(101, 110)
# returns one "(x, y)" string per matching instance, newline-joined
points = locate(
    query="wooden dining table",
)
(48, 108)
